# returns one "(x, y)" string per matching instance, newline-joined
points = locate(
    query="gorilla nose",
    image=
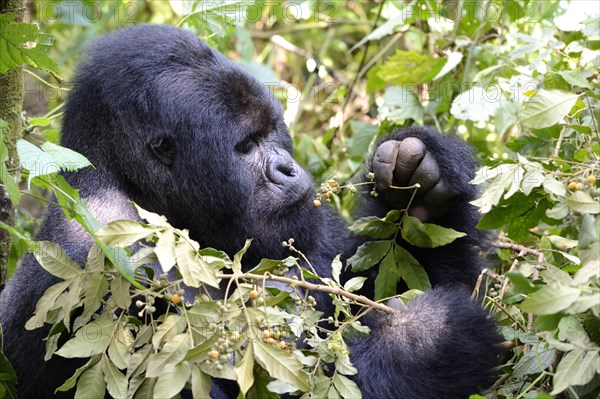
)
(283, 170)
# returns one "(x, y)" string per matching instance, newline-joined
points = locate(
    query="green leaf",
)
(165, 250)
(546, 108)
(193, 268)
(172, 353)
(55, 261)
(281, 365)
(388, 27)
(70, 383)
(521, 283)
(549, 300)
(336, 268)
(122, 233)
(519, 228)
(411, 271)
(49, 159)
(553, 186)
(476, 104)
(96, 288)
(576, 78)
(44, 304)
(399, 105)
(410, 68)
(346, 387)
(388, 277)
(245, 370)
(535, 361)
(578, 367)
(582, 202)
(368, 255)
(91, 339)
(266, 266)
(5, 176)
(201, 383)
(426, 235)
(173, 325)
(119, 288)
(372, 226)
(91, 383)
(23, 43)
(116, 382)
(170, 383)
(354, 284)
(237, 258)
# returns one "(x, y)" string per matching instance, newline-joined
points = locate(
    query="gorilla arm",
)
(441, 345)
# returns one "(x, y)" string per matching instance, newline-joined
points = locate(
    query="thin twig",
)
(310, 286)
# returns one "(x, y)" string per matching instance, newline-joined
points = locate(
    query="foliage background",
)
(517, 79)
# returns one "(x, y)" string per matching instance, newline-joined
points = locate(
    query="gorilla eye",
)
(246, 145)
(163, 148)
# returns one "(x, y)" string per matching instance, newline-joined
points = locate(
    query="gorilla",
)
(184, 132)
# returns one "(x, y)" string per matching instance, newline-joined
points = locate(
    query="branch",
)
(312, 287)
(521, 249)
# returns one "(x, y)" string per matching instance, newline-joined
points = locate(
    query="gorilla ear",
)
(164, 149)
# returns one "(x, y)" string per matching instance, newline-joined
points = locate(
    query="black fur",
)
(176, 127)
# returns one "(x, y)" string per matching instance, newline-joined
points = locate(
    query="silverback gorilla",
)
(176, 127)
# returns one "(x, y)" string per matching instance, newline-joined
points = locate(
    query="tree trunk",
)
(11, 103)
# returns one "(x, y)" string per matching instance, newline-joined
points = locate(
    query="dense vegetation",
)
(517, 79)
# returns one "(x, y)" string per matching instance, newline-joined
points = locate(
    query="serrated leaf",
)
(546, 108)
(401, 104)
(549, 300)
(282, 365)
(172, 382)
(55, 261)
(91, 339)
(13, 39)
(122, 233)
(426, 235)
(91, 383)
(368, 255)
(582, 202)
(245, 370)
(116, 382)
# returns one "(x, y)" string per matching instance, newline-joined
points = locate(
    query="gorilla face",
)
(201, 134)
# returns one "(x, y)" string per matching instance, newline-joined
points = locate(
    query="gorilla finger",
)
(439, 194)
(427, 174)
(384, 163)
(410, 153)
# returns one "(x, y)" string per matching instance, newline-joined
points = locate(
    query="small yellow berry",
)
(253, 294)
(266, 333)
(282, 344)
(331, 182)
(213, 354)
(578, 186)
(270, 341)
(572, 185)
(175, 298)
(317, 203)
(591, 179)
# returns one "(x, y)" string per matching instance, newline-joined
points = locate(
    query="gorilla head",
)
(195, 134)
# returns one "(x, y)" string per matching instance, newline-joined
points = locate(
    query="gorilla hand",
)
(405, 163)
